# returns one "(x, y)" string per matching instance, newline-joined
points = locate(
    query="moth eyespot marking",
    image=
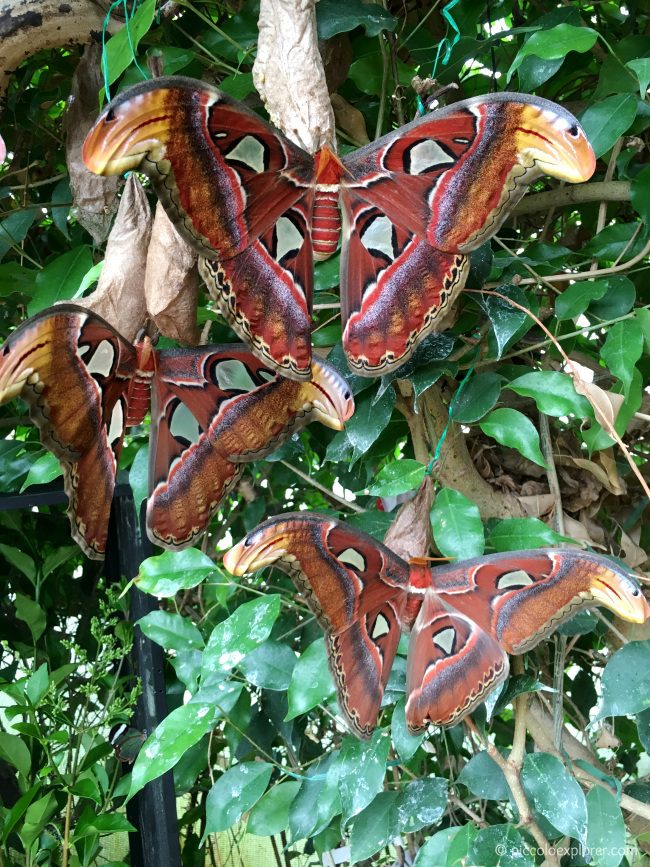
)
(116, 425)
(251, 152)
(354, 558)
(426, 156)
(377, 237)
(288, 239)
(102, 360)
(445, 640)
(380, 627)
(233, 375)
(511, 580)
(183, 426)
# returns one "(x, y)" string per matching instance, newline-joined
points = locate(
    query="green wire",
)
(127, 19)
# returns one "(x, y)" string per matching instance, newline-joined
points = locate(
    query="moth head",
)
(131, 128)
(552, 140)
(615, 589)
(261, 547)
(329, 395)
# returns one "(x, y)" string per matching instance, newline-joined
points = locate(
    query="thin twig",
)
(328, 493)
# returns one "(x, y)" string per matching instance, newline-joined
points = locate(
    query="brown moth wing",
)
(452, 665)
(355, 586)
(74, 371)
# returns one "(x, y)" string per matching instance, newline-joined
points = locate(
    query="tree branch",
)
(610, 191)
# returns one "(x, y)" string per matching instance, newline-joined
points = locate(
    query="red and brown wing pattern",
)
(237, 190)
(465, 618)
(452, 665)
(75, 371)
(521, 597)
(355, 586)
(416, 201)
(213, 410)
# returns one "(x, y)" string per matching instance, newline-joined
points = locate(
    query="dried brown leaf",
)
(349, 119)
(119, 296)
(537, 505)
(94, 198)
(582, 531)
(606, 404)
(171, 283)
(633, 555)
(410, 533)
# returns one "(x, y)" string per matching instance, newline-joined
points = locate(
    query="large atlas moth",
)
(213, 408)
(464, 618)
(415, 203)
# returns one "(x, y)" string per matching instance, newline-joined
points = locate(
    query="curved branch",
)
(29, 26)
(609, 191)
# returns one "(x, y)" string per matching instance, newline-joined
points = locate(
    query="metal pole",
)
(153, 810)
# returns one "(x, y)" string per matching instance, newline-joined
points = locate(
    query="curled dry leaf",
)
(606, 404)
(537, 505)
(579, 531)
(410, 533)
(349, 119)
(119, 296)
(94, 198)
(171, 282)
(607, 475)
(633, 555)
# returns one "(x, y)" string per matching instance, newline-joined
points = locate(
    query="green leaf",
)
(270, 666)
(37, 684)
(397, 478)
(518, 684)
(553, 392)
(626, 681)
(421, 803)
(405, 743)
(23, 562)
(477, 398)
(622, 349)
(139, 482)
(14, 750)
(246, 628)
(605, 829)
(436, 849)
(507, 321)
(511, 428)
(14, 228)
(18, 810)
(484, 778)
(360, 772)
(44, 470)
(334, 17)
(518, 534)
(554, 43)
(120, 48)
(605, 122)
(500, 846)
(311, 681)
(32, 614)
(554, 793)
(317, 801)
(234, 793)
(271, 813)
(171, 631)
(365, 426)
(90, 277)
(457, 525)
(641, 68)
(374, 827)
(179, 731)
(60, 278)
(171, 571)
(577, 297)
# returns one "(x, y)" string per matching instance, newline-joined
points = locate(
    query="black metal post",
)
(153, 810)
